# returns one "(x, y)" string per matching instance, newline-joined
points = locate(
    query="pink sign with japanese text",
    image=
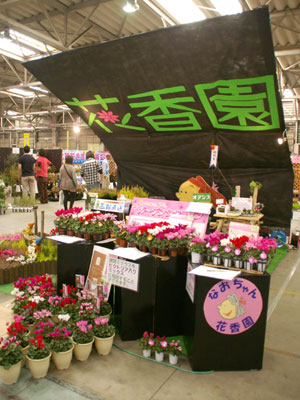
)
(194, 214)
(233, 307)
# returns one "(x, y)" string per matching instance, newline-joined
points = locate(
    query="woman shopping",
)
(68, 182)
(41, 173)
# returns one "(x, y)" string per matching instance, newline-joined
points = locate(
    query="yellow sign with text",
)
(26, 139)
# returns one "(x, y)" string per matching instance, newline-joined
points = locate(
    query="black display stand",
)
(158, 305)
(74, 259)
(211, 350)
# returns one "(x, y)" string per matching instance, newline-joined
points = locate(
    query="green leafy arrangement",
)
(254, 185)
(133, 191)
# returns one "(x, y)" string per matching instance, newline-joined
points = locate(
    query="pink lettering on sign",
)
(233, 307)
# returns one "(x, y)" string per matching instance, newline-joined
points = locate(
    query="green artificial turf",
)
(279, 255)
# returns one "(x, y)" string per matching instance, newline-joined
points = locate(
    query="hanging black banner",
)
(160, 99)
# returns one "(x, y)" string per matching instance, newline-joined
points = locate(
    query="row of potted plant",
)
(160, 346)
(46, 325)
(241, 252)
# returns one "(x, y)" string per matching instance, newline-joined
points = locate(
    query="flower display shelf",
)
(248, 271)
(10, 272)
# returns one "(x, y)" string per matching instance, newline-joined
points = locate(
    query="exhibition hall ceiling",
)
(31, 29)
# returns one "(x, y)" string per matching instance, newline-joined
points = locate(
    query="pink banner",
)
(146, 210)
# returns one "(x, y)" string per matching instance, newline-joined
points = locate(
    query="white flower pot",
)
(261, 266)
(195, 257)
(62, 360)
(216, 260)
(159, 356)
(248, 266)
(227, 262)
(147, 353)
(38, 368)
(82, 351)
(238, 263)
(173, 359)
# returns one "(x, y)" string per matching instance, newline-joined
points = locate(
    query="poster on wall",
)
(79, 156)
(159, 122)
(144, 210)
(233, 307)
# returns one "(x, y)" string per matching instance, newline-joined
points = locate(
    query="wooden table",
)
(246, 219)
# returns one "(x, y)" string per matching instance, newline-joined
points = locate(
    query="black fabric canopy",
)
(160, 99)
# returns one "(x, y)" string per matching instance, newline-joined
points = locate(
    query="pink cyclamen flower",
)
(263, 256)
(252, 260)
(237, 252)
(227, 249)
(214, 248)
(151, 342)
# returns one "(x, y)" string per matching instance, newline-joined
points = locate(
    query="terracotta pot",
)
(79, 235)
(61, 231)
(173, 252)
(10, 375)
(132, 244)
(95, 237)
(38, 368)
(123, 243)
(180, 251)
(87, 236)
(63, 359)
(106, 235)
(103, 345)
(70, 233)
(154, 250)
(82, 351)
(162, 252)
(144, 248)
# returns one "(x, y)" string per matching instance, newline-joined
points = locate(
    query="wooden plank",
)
(250, 272)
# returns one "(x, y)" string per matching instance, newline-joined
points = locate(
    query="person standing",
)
(105, 172)
(112, 170)
(90, 171)
(41, 174)
(67, 176)
(26, 173)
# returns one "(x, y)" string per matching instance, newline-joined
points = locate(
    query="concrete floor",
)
(123, 376)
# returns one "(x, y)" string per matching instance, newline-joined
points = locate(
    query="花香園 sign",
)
(233, 307)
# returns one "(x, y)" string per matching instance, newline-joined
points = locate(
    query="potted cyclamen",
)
(160, 348)
(197, 250)
(215, 252)
(10, 360)
(105, 309)
(83, 339)
(38, 357)
(18, 330)
(61, 347)
(146, 342)
(104, 335)
(226, 252)
(174, 350)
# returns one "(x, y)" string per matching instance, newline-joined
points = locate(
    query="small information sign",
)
(123, 273)
(202, 197)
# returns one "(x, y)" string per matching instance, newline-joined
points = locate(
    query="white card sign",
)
(109, 205)
(123, 273)
(190, 282)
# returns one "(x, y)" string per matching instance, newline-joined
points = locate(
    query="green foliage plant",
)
(133, 191)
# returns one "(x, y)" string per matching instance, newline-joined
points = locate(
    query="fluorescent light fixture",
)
(38, 89)
(227, 7)
(76, 129)
(20, 37)
(131, 6)
(22, 92)
(10, 112)
(183, 11)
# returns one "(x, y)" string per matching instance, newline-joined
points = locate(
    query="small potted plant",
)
(197, 250)
(105, 309)
(160, 348)
(61, 347)
(83, 339)
(18, 330)
(147, 343)
(174, 350)
(38, 357)
(104, 334)
(10, 360)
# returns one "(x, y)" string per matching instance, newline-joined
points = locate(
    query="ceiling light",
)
(131, 6)
(22, 92)
(183, 11)
(38, 89)
(76, 129)
(10, 112)
(288, 93)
